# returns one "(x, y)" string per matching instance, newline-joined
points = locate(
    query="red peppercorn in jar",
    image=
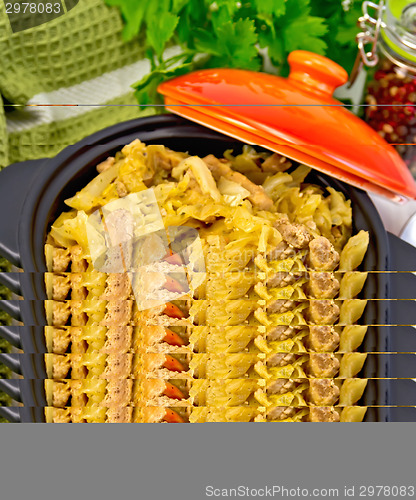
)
(391, 92)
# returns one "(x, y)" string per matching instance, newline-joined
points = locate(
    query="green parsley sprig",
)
(236, 34)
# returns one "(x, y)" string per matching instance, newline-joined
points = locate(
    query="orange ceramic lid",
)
(295, 116)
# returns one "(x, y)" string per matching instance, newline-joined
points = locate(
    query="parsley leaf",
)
(133, 13)
(158, 34)
(146, 87)
(349, 30)
(275, 47)
(229, 33)
(306, 33)
(233, 45)
(296, 9)
(275, 7)
(178, 5)
(207, 42)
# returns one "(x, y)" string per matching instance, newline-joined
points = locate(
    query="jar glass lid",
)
(399, 30)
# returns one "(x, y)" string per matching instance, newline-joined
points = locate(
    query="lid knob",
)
(318, 73)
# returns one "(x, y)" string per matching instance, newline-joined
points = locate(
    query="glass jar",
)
(391, 91)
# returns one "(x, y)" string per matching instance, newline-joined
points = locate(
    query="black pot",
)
(31, 197)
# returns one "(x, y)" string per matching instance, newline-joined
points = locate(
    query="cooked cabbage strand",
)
(265, 329)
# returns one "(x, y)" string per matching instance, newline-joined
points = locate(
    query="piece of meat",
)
(77, 416)
(119, 339)
(61, 365)
(160, 157)
(79, 344)
(281, 359)
(79, 369)
(280, 386)
(323, 338)
(322, 285)
(121, 189)
(118, 393)
(118, 287)
(61, 339)
(78, 290)
(60, 287)
(119, 415)
(119, 229)
(151, 335)
(118, 313)
(277, 333)
(61, 394)
(61, 312)
(61, 416)
(118, 367)
(151, 389)
(280, 306)
(280, 413)
(323, 414)
(323, 312)
(275, 163)
(282, 279)
(281, 252)
(322, 392)
(323, 365)
(322, 255)
(258, 196)
(78, 263)
(60, 260)
(78, 396)
(152, 414)
(294, 234)
(106, 164)
(78, 316)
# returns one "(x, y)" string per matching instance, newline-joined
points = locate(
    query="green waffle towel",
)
(78, 58)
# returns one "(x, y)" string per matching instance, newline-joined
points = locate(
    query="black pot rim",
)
(66, 167)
